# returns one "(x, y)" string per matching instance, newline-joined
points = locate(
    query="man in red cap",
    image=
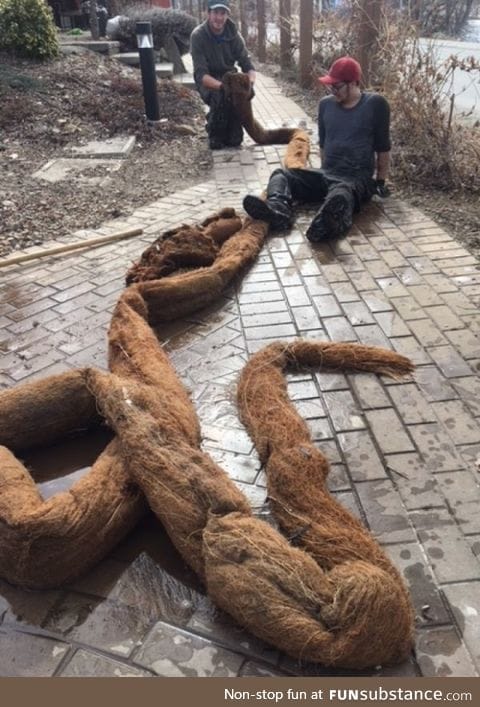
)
(354, 137)
(216, 46)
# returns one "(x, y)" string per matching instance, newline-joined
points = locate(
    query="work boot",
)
(334, 219)
(215, 143)
(274, 211)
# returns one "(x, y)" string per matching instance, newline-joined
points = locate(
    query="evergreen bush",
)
(165, 23)
(27, 29)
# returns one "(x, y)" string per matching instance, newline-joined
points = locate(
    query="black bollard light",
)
(143, 31)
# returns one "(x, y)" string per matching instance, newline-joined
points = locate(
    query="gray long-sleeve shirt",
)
(350, 137)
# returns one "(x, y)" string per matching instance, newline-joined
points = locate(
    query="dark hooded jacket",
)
(216, 56)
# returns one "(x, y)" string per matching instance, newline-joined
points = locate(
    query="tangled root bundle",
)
(182, 293)
(237, 88)
(340, 603)
(135, 355)
(185, 247)
(298, 150)
(41, 412)
(336, 599)
(370, 614)
(47, 543)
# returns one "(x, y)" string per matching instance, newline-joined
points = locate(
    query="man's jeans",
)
(223, 125)
(312, 186)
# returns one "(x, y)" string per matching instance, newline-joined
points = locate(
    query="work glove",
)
(381, 188)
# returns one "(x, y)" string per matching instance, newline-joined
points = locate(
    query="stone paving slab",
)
(405, 455)
(94, 171)
(128, 58)
(118, 147)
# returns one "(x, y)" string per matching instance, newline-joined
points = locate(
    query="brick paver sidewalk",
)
(405, 455)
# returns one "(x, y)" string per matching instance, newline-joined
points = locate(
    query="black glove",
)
(381, 188)
(252, 92)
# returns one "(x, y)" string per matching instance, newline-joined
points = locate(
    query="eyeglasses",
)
(336, 87)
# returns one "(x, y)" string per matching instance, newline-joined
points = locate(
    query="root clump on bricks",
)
(48, 543)
(335, 599)
(371, 612)
(185, 247)
(182, 293)
(345, 606)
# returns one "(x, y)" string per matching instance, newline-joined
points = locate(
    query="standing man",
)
(216, 46)
(354, 137)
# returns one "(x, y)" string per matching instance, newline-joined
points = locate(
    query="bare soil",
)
(45, 109)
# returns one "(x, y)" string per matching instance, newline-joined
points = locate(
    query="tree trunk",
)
(285, 21)
(369, 18)
(243, 18)
(261, 31)
(93, 19)
(306, 25)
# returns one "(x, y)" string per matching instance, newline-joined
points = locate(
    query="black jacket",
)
(216, 58)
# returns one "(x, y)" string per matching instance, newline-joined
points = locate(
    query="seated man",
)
(354, 136)
(216, 46)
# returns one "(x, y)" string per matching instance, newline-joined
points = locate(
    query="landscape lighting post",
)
(143, 31)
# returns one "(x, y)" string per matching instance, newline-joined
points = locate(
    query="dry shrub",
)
(447, 16)
(430, 147)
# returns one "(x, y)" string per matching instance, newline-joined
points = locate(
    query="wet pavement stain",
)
(440, 652)
(435, 553)
(56, 468)
(15, 296)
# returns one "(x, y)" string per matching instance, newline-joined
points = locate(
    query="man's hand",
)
(252, 91)
(381, 188)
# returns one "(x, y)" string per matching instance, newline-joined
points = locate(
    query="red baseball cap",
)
(344, 69)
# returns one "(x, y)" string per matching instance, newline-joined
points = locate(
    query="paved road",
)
(466, 85)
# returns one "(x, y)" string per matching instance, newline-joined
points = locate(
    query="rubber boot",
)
(274, 210)
(334, 219)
